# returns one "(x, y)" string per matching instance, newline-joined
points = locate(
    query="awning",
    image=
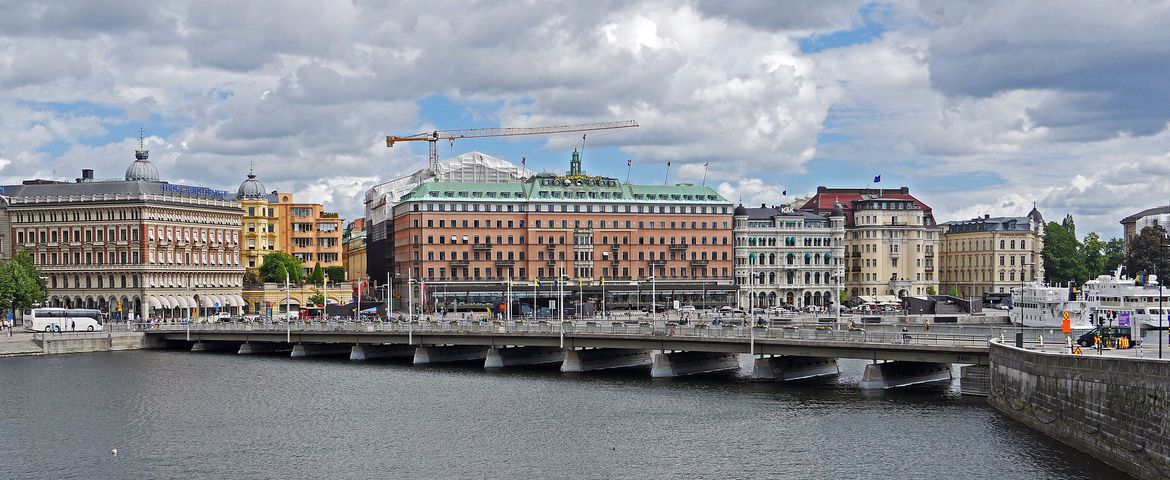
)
(166, 301)
(240, 299)
(204, 301)
(191, 302)
(153, 302)
(230, 300)
(181, 302)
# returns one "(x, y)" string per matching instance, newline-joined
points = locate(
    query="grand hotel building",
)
(465, 240)
(134, 245)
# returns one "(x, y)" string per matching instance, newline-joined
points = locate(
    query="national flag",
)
(603, 280)
(877, 179)
(784, 192)
(630, 162)
(536, 282)
(706, 164)
(524, 160)
(668, 163)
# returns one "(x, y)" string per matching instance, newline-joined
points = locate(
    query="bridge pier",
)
(447, 354)
(302, 350)
(212, 346)
(522, 356)
(677, 364)
(589, 360)
(248, 348)
(881, 376)
(784, 368)
(369, 351)
(975, 380)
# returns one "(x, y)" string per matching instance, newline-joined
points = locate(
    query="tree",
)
(1092, 251)
(1062, 259)
(21, 286)
(1114, 254)
(251, 277)
(1069, 225)
(318, 275)
(955, 292)
(317, 299)
(1147, 253)
(930, 290)
(335, 273)
(276, 264)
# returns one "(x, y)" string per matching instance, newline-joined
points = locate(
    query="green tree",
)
(251, 277)
(955, 292)
(276, 264)
(317, 277)
(335, 273)
(1114, 254)
(1092, 251)
(931, 291)
(317, 299)
(1147, 253)
(21, 286)
(1069, 225)
(1062, 256)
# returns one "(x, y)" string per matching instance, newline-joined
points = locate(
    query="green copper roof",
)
(577, 188)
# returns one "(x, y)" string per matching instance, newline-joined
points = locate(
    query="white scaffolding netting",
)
(469, 167)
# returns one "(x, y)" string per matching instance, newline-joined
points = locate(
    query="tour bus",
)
(63, 320)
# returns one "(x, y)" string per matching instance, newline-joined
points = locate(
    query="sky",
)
(982, 107)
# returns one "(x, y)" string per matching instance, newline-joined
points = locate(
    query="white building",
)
(786, 256)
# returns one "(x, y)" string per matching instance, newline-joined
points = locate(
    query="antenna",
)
(141, 141)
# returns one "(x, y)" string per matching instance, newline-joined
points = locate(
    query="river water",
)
(205, 415)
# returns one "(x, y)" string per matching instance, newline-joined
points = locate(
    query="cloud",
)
(752, 191)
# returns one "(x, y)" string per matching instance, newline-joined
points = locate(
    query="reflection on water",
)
(183, 415)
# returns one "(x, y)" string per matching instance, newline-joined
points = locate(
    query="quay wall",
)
(1112, 408)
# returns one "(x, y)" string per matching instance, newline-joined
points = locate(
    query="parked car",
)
(1086, 340)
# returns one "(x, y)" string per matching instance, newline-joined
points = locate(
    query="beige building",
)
(891, 241)
(353, 243)
(274, 221)
(136, 246)
(991, 254)
(1133, 224)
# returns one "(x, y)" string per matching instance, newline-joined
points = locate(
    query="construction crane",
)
(432, 138)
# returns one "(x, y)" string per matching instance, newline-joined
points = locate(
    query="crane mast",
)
(432, 138)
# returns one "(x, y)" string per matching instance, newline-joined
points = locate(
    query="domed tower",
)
(141, 169)
(251, 188)
(741, 216)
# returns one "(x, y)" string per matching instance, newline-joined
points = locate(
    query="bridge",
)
(779, 353)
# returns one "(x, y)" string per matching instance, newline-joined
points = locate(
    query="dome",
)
(1035, 215)
(837, 211)
(251, 188)
(740, 211)
(141, 169)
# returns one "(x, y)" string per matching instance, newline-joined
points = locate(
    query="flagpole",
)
(705, 173)
(629, 165)
(667, 179)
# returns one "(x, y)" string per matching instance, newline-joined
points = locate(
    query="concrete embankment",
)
(1112, 408)
(47, 344)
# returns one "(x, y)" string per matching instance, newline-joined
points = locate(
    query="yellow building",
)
(273, 221)
(991, 254)
(353, 242)
(260, 234)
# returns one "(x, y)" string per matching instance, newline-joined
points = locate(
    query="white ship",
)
(1043, 305)
(1117, 296)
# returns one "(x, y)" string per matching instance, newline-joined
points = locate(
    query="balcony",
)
(660, 263)
(699, 263)
(678, 246)
(550, 246)
(929, 254)
(505, 263)
(482, 246)
(459, 263)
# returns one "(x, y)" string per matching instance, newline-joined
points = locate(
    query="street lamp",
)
(653, 293)
(1020, 334)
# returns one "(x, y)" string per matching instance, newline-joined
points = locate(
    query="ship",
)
(1120, 300)
(1044, 306)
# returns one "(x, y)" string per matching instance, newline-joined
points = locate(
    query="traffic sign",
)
(1065, 315)
(1123, 319)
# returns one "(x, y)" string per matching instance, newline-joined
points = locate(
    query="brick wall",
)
(1111, 408)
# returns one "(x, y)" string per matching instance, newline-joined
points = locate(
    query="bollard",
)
(1041, 341)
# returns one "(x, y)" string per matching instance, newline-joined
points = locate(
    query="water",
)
(184, 415)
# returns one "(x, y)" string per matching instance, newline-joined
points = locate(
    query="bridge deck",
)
(920, 347)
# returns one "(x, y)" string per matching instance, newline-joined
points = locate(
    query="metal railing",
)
(655, 330)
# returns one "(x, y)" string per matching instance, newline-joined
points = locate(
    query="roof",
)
(827, 198)
(550, 188)
(120, 187)
(768, 213)
(1145, 213)
(990, 224)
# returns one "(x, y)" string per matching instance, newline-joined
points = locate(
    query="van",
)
(1086, 340)
(687, 309)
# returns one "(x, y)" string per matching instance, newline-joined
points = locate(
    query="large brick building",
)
(465, 240)
(150, 247)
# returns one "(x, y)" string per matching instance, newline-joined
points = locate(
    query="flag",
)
(668, 163)
(536, 282)
(524, 160)
(705, 164)
(877, 179)
(603, 280)
(630, 162)
(784, 192)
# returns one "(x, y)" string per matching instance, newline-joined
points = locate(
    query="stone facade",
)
(1109, 407)
(786, 256)
(991, 254)
(353, 243)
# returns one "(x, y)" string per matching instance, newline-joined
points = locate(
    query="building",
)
(259, 225)
(991, 254)
(132, 247)
(381, 199)
(790, 257)
(465, 240)
(891, 240)
(274, 221)
(353, 244)
(1133, 224)
(5, 228)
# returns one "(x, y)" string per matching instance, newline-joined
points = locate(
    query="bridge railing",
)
(815, 334)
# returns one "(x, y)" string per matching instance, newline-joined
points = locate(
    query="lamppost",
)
(653, 294)
(1020, 334)
(837, 274)
(1162, 243)
(324, 294)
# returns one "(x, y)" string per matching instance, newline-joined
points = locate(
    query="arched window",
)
(1001, 243)
(1013, 244)
(1022, 245)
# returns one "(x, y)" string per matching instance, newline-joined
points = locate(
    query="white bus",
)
(63, 320)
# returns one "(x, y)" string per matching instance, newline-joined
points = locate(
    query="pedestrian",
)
(73, 325)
